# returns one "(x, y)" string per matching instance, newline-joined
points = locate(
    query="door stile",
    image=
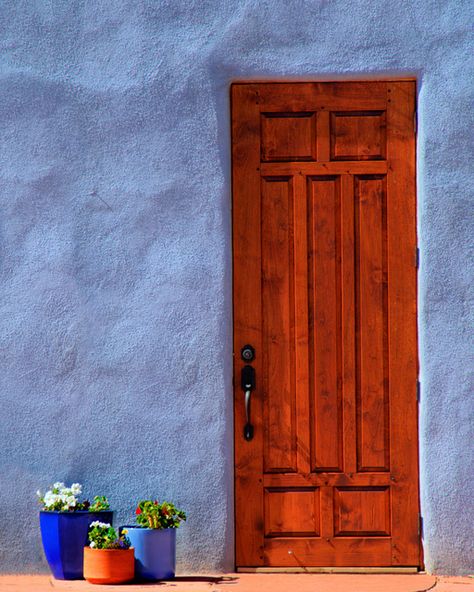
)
(327, 511)
(403, 363)
(323, 136)
(247, 321)
(348, 323)
(301, 323)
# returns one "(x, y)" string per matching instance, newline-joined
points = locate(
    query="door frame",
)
(236, 351)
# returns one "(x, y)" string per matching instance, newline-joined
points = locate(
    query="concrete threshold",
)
(330, 570)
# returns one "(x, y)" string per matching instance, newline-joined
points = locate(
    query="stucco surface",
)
(115, 288)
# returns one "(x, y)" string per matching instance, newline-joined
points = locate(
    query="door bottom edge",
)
(329, 570)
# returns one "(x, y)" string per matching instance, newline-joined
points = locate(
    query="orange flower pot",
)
(109, 566)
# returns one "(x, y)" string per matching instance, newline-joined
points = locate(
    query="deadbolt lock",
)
(247, 353)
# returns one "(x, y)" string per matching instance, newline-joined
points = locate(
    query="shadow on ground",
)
(218, 580)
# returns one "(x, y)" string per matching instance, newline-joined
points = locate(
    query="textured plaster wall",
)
(115, 290)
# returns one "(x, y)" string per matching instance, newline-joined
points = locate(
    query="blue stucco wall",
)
(115, 288)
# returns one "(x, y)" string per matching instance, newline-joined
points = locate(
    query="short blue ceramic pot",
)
(64, 536)
(155, 552)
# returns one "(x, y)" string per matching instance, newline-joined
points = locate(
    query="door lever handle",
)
(248, 428)
(248, 385)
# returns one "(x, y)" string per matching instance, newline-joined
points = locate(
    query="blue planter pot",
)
(64, 536)
(155, 552)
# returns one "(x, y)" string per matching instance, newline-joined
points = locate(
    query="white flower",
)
(71, 501)
(76, 488)
(50, 498)
(38, 493)
(100, 524)
(58, 485)
(92, 545)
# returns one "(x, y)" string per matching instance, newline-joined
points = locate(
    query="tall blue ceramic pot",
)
(64, 536)
(155, 552)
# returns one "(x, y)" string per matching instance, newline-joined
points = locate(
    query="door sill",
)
(348, 570)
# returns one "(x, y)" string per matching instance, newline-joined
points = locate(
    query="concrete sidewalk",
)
(256, 583)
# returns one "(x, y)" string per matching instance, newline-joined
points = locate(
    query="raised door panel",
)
(288, 136)
(292, 512)
(371, 281)
(361, 511)
(278, 306)
(325, 351)
(357, 135)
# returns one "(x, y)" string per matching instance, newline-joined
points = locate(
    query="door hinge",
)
(420, 526)
(418, 391)
(417, 257)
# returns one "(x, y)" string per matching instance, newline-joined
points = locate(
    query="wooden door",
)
(325, 291)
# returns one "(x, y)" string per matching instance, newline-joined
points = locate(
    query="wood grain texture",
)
(325, 290)
(361, 511)
(292, 512)
(347, 551)
(371, 323)
(357, 135)
(402, 342)
(324, 246)
(324, 168)
(302, 326)
(247, 320)
(288, 136)
(348, 324)
(278, 311)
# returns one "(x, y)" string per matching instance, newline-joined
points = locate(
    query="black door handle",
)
(248, 385)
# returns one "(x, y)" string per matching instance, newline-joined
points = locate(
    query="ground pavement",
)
(255, 583)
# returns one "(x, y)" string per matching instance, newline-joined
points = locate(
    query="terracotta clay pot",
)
(109, 566)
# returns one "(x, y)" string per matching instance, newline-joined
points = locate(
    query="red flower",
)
(138, 511)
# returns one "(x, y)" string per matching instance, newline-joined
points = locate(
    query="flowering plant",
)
(152, 514)
(103, 536)
(64, 499)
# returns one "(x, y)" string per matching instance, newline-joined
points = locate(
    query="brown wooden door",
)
(325, 291)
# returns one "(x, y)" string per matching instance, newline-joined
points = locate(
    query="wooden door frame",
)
(236, 351)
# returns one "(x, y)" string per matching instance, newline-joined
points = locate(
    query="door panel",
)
(324, 300)
(278, 325)
(325, 291)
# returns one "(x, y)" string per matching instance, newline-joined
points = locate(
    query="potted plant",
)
(109, 557)
(64, 524)
(154, 539)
